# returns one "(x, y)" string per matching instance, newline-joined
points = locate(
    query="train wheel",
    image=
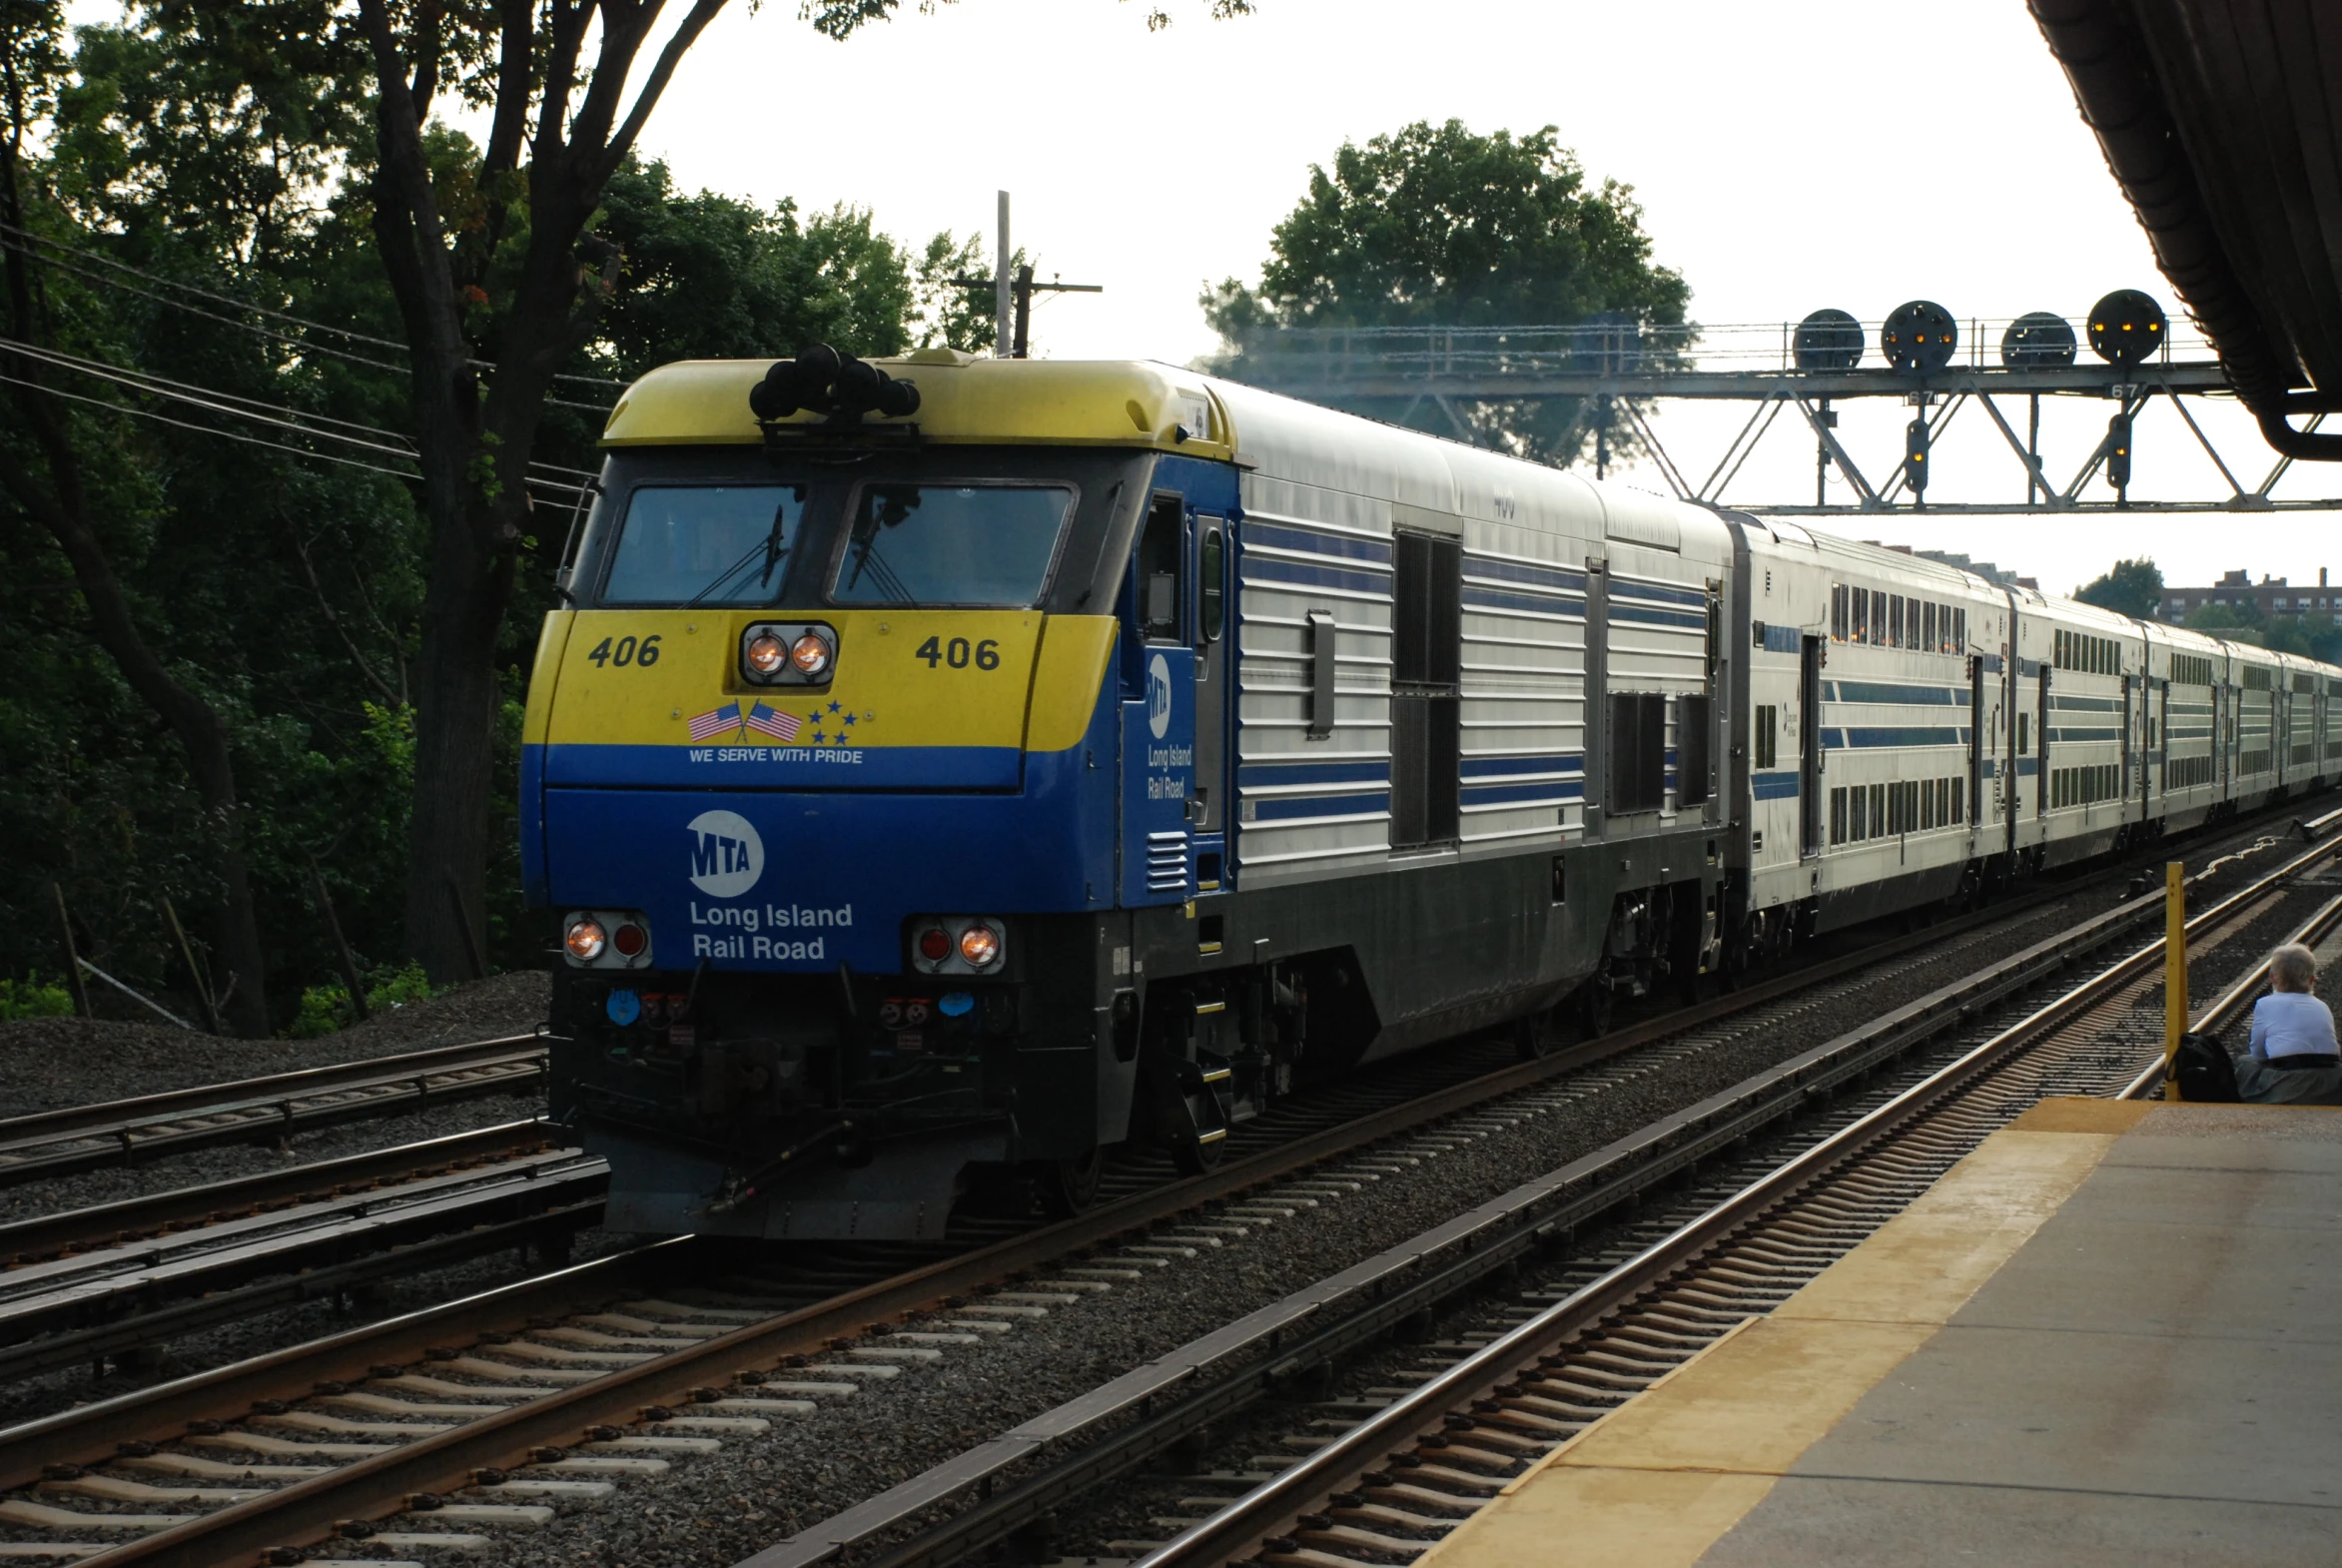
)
(1068, 1187)
(1538, 1035)
(1596, 1003)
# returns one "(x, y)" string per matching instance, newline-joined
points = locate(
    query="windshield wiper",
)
(770, 547)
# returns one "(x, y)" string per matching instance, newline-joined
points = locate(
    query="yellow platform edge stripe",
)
(1664, 1477)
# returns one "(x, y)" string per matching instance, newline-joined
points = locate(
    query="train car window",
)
(1879, 617)
(2024, 739)
(1856, 815)
(1862, 616)
(1837, 816)
(1878, 809)
(1838, 613)
(978, 544)
(704, 543)
(1927, 628)
(1211, 596)
(1764, 745)
(1958, 790)
(1158, 570)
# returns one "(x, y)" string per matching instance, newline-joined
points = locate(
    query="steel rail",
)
(86, 1137)
(90, 1434)
(105, 1116)
(123, 1286)
(1269, 1508)
(46, 1235)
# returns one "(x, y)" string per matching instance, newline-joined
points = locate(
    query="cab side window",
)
(1158, 570)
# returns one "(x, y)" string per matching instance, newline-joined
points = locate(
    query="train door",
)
(1210, 565)
(2041, 745)
(1159, 711)
(2159, 747)
(1808, 699)
(1980, 746)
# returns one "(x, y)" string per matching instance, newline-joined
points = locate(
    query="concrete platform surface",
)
(2112, 1334)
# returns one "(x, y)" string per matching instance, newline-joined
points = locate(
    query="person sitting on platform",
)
(2293, 1058)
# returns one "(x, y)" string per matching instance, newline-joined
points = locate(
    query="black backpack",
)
(2205, 1075)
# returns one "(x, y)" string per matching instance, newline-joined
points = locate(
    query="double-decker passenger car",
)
(1093, 751)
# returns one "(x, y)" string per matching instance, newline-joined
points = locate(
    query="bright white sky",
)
(1789, 154)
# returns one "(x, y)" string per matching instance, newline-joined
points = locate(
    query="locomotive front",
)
(822, 778)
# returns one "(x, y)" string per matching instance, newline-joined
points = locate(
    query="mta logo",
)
(727, 856)
(1159, 696)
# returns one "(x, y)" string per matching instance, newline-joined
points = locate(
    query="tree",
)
(80, 502)
(2130, 587)
(494, 271)
(1438, 225)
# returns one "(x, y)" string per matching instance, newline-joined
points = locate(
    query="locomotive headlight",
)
(764, 654)
(811, 655)
(980, 946)
(585, 939)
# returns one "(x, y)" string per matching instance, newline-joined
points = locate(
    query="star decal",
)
(849, 718)
(834, 707)
(819, 737)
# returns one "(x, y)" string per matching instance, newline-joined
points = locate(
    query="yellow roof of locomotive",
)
(962, 398)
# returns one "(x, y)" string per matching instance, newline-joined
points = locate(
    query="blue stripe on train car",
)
(1274, 536)
(1270, 568)
(1855, 736)
(1634, 588)
(1254, 775)
(1774, 786)
(1781, 639)
(1523, 572)
(1881, 691)
(1498, 767)
(1549, 790)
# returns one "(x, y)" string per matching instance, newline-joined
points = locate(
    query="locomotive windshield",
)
(974, 545)
(704, 543)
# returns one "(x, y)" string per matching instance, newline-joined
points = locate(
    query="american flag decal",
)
(773, 722)
(715, 721)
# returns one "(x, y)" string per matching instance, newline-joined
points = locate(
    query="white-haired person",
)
(2293, 1058)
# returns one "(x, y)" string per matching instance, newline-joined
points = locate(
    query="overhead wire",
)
(253, 408)
(18, 236)
(532, 482)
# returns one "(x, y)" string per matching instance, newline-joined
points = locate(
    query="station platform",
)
(2112, 1334)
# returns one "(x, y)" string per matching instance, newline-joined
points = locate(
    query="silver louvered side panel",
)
(1166, 862)
(1305, 803)
(1524, 684)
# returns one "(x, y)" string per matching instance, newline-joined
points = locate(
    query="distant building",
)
(2237, 590)
(1983, 569)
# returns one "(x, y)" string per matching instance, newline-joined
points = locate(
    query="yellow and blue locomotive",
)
(954, 767)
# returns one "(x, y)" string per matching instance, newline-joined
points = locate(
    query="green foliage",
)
(33, 997)
(325, 1008)
(1438, 225)
(2130, 587)
(2218, 618)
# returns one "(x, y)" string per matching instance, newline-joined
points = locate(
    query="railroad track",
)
(505, 1386)
(257, 1109)
(87, 1283)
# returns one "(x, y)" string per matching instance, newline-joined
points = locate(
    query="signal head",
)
(2038, 339)
(1829, 341)
(1918, 337)
(2126, 327)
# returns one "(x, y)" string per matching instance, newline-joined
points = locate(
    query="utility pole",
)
(1002, 289)
(1012, 292)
